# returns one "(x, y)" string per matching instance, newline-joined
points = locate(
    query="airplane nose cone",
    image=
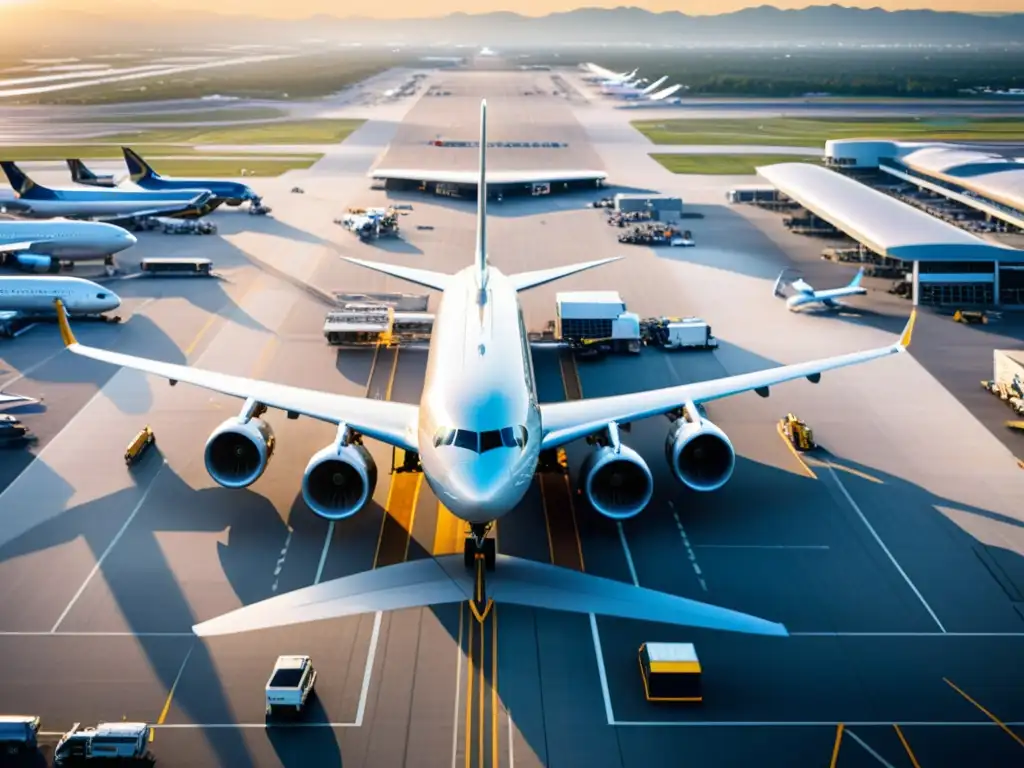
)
(129, 239)
(483, 487)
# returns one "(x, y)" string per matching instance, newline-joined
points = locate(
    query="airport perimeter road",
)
(892, 556)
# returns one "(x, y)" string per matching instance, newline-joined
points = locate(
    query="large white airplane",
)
(479, 432)
(606, 76)
(42, 245)
(35, 296)
(805, 294)
(632, 91)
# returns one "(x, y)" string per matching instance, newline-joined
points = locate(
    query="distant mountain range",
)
(58, 21)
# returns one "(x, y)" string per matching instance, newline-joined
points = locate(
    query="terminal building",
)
(945, 264)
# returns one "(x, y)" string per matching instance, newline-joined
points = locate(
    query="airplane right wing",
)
(393, 423)
(198, 205)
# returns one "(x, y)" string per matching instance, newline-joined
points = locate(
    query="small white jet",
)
(40, 246)
(633, 90)
(24, 296)
(805, 294)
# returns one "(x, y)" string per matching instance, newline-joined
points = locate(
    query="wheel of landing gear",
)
(489, 554)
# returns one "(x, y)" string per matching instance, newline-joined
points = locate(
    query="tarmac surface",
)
(892, 554)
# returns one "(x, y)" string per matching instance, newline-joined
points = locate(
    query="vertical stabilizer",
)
(481, 204)
(855, 283)
(138, 168)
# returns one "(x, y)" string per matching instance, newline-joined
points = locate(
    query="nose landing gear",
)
(479, 554)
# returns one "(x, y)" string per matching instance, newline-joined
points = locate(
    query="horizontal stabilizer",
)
(525, 280)
(514, 581)
(425, 277)
(6, 399)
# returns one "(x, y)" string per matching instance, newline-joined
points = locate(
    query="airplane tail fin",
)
(855, 283)
(481, 204)
(22, 184)
(79, 173)
(138, 168)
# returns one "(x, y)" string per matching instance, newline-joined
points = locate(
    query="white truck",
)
(291, 685)
(107, 741)
(596, 321)
(678, 333)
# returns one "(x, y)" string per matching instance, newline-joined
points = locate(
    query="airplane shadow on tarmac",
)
(236, 222)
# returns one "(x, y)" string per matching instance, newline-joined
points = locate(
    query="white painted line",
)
(280, 559)
(32, 368)
(761, 546)
(511, 742)
(264, 726)
(871, 752)
(689, 549)
(174, 685)
(601, 672)
(906, 634)
(881, 543)
(110, 547)
(803, 724)
(371, 655)
(323, 553)
(628, 554)
(26, 329)
(459, 656)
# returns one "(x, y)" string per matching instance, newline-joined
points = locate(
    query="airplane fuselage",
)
(103, 203)
(68, 240)
(479, 422)
(228, 191)
(35, 296)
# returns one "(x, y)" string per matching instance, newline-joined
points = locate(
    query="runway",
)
(892, 555)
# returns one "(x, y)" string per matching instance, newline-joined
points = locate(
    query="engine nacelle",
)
(238, 452)
(33, 263)
(700, 454)
(339, 480)
(618, 485)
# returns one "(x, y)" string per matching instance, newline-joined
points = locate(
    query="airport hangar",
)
(500, 184)
(950, 263)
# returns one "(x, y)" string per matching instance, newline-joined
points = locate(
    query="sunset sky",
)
(415, 8)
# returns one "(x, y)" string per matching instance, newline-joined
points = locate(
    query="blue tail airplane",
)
(142, 174)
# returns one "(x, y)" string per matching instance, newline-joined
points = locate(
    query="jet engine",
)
(238, 451)
(701, 456)
(33, 263)
(619, 483)
(339, 480)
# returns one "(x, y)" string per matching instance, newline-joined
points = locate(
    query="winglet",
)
(65, 327)
(908, 331)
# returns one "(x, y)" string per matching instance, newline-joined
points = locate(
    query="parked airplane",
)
(606, 76)
(632, 91)
(15, 400)
(40, 246)
(110, 205)
(82, 175)
(478, 434)
(24, 296)
(231, 192)
(805, 294)
(662, 98)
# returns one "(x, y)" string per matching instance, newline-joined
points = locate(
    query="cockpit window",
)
(464, 438)
(101, 295)
(481, 442)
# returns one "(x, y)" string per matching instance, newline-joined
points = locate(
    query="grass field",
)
(725, 165)
(225, 168)
(808, 132)
(288, 132)
(20, 153)
(208, 116)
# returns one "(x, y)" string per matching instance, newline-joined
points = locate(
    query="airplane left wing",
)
(393, 423)
(568, 421)
(7, 248)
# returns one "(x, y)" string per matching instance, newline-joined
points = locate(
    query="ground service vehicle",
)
(589, 319)
(677, 333)
(138, 445)
(798, 433)
(671, 672)
(12, 429)
(176, 266)
(291, 684)
(968, 317)
(110, 741)
(18, 734)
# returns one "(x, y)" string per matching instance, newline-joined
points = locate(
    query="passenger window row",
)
(481, 442)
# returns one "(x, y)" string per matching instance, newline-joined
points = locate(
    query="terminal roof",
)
(493, 177)
(884, 224)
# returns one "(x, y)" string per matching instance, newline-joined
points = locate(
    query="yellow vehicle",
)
(970, 317)
(138, 445)
(671, 672)
(1015, 425)
(798, 433)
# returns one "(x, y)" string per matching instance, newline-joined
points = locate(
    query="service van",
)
(111, 741)
(18, 734)
(291, 685)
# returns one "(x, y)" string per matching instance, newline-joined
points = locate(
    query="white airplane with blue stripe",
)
(805, 294)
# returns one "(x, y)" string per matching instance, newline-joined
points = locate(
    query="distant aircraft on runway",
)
(110, 205)
(632, 91)
(40, 246)
(82, 175)
(25, 296)
(805, 294)
(606, 76)
(479, 435)
(142, 174)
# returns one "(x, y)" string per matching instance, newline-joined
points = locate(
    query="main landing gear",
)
(479, 554)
